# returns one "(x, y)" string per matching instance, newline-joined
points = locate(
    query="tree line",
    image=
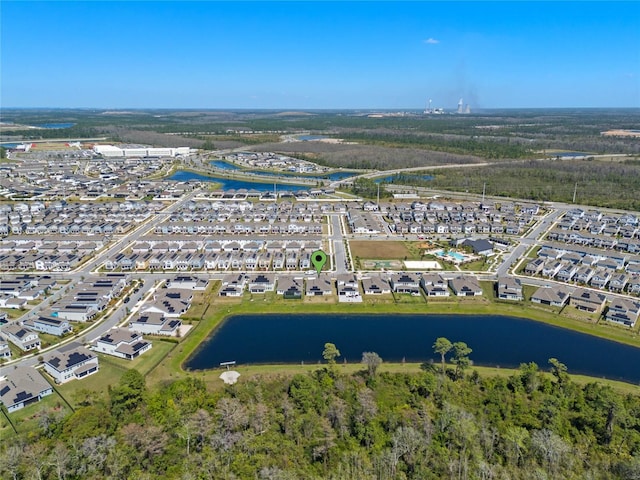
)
(436, 423)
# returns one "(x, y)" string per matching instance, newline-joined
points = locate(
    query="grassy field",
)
(252, 372)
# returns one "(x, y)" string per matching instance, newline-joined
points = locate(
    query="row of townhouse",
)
(97, 227)
(76, 219)
(615, 271)
(238, 228)
(621, 310)
(26, 286)
(596, 222)
(44, 263)
(223, 244)
(201, 209)
(288, 260)
(623, 244)
(49, 244)
(468, 228)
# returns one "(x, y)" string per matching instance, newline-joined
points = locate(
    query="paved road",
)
(337, 241)
(387, 173)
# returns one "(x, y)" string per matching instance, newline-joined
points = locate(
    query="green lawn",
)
(27, 419)
(111, 369)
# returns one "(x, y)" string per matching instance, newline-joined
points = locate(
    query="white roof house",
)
(122, 343)
(154, 323)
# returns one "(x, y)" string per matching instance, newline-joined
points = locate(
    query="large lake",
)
(495, 340)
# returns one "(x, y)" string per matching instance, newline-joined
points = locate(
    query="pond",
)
(235, 184)
(495, 340)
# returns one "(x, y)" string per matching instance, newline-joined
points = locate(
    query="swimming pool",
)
(458, 256)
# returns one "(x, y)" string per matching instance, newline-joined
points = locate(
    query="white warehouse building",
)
(112, 151)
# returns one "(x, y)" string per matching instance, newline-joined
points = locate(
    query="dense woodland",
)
(330, 425)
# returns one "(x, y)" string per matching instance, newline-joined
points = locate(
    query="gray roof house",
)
(405, 282)
(374, 285)
(289, 287)
(466, 286)
(22, 337)
(434, 285)
(22, 386)
(122, 343)
(73, 361)
(556, 296)
(319, 286)
(624, 311)
(50, 325)
(509, 288)
(154, 323)
(587, 300)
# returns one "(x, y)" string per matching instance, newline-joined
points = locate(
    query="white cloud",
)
(431, 41)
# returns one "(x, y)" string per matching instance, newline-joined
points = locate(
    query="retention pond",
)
(495, 340)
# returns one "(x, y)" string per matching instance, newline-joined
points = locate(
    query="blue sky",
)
(314, 55)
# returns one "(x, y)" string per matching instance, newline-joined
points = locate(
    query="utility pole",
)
(484, 189)
(575, 190)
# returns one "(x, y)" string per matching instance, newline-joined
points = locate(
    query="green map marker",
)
(318, 258)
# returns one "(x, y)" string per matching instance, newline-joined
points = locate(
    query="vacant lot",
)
(383, 250)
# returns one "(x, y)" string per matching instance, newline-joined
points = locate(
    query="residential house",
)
(122, 343)
(154, 323)
(624, 311)
(466, 286)
(348, 290)
(374, 285)
(618, 282)
(187, 282)
(556, 296)
(261, 283)
(22, 386)
(319, 286)
(72, 361)
(405, 282)
(48, 324)
(289, 287)
(434, 285)
(170, 302)
(587, 300)
(5, 351)
(22, 337)
(509, 288)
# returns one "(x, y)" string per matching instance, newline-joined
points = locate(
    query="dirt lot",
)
(383, 250)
